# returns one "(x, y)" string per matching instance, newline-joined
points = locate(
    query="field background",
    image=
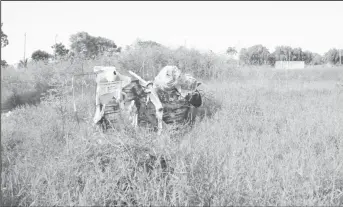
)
(273, 138)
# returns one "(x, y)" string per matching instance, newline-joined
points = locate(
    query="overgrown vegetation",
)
(60, 51)
(40, 55)
(4, 43)
(90, 47)
(85, 46)
(273, 137)
(260, 55)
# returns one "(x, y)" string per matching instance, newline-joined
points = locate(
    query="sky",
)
(204, 25)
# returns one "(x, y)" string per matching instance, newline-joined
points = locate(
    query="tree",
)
(317, 59)
(287, 53)
(4, 43)
(148, 43)
(60, 50)
(332, 56)
(106, 45)
(307, 57)
(40, 55)
(4, 40)
(283, 53)
(23, 63)
(297, 54)
(3, 64)
(271, 59)
(231, 51)
(89, 46)
(244, 56)
(258, 55)
(145, 58)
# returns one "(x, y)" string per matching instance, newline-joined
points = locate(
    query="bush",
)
(40, 55)
(4, 64)
(147, 60)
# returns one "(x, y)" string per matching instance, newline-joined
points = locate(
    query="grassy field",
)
(276, 139)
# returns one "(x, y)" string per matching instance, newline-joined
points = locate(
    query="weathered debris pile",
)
(169, 98)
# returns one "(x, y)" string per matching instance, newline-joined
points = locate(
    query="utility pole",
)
(55, 45)
(237, 50)
(24, 45)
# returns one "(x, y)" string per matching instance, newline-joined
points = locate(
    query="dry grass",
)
(268, 144)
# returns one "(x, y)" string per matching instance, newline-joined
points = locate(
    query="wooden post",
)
(82, 90)
(72, 86)
(74, 104)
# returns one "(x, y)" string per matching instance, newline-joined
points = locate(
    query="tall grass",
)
(274, 139)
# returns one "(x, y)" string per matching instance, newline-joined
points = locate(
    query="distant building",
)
(289, 64)
(329, 65)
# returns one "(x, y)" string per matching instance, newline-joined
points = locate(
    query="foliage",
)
(148, 57)
(231, 51)
(4, 43)
(251, 56)
(144, 58)
(147, 44)
(254, 55)
(23, 63)
(84, 44)
(296, 54)
(283, 53)
(332, 56)
(317, 59)
(243, 56)
(307, 57)
(40, 55)
(258, 149)
(259, 128)
(59, 50)
(4, 40)
(4, 64)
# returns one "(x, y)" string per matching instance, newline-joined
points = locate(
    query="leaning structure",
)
(176, 92)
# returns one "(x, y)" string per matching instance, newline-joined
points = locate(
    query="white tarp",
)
(289, 64)
(109, 83)
(109, 86)
(109, 90)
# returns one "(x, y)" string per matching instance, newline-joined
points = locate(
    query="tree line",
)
(86, 46)
(260, 55)
(82, 44)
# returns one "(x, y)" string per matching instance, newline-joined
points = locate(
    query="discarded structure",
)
(168, 98)
(289, 65)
